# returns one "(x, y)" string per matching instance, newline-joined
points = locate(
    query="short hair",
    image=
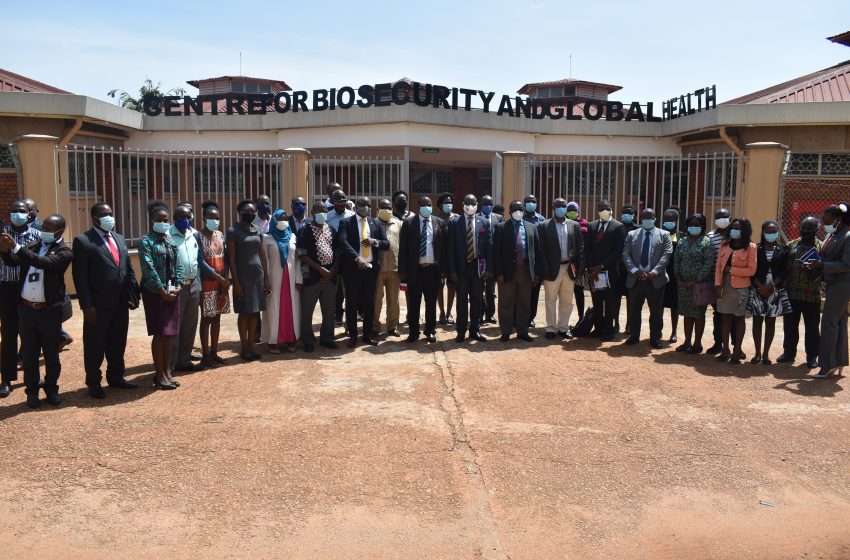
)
(396, 194)
(243, 203)
(58, 218)
(96, 206)
(498, 208)
(629, 209)
(444, 196)
(209, 204)
(604, 202)
(700, 219)
(155, 206)
(766, 224)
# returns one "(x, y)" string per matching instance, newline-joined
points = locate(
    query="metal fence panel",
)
(810, 182)
(373, 176)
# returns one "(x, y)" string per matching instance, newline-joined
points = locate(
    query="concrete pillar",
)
(299, 167)
(759, 200)
(513, 177)
(39, 173)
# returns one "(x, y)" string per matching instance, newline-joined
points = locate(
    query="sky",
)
(654, 50)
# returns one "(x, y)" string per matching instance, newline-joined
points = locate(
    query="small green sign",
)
(430, 150)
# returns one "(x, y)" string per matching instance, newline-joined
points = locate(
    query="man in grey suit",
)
(563, 256)
(645, 254)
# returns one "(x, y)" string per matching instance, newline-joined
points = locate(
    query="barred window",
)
(432, 181)
(82, 172)
(832, 164)
(721, 176)
(219, 177)
(6, 159)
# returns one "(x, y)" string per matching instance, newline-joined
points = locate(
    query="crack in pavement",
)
(491, 544)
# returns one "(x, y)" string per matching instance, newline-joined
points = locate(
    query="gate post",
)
(39, 170)
(513, 177)
(301, 168)
(759, 200)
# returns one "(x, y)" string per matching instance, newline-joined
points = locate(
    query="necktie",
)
(520, 257)
(423, 238)
(364, 234)
(470, 241)
(600, 233)
(113, 248)
(644, 252)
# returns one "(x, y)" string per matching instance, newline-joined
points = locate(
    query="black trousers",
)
(425, 284)
(535, 299)
(810, 311)
(106, 338)
(643, 290)
(604, 307)
(488, 306)
(40, 332)
(10, 296)
(469, 291)
(360, 299)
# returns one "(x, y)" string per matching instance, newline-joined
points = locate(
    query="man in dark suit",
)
(469, 262)
(360, 236)
(488, 307)
(299, 214)
(421, 249)
(43, 265)
(517, 265)
(563, 256)
(103, 277)
(606, 237)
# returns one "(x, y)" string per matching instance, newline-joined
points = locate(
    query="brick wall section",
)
(8, 189)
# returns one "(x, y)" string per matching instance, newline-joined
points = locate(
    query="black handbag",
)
(67, 308)
(134, 295)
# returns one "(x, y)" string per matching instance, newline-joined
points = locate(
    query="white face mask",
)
(722, 223)
(517, 215)
(282, 225)
(469, 209)
(604, 215)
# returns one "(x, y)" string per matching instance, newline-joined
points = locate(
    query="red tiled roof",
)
(829, 84)
(527, 89)
(9, 81)
(280, 84)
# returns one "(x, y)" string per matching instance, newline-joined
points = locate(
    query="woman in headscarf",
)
(282, 317)
(574, 213)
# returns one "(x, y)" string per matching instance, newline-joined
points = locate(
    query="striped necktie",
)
(423, 238)
(470, 240)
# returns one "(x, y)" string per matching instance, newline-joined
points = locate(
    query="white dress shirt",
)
(561, 228)
(429, 241)
(33, 289)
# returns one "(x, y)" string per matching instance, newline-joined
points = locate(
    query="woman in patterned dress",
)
(693, 262)
(768, 298)
(215, 295)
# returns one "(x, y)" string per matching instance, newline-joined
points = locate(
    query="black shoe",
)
(478, 336)
(53, 398)
(432, 338)
(412, 337)
(785, 358)
(189, 366)
(632, 340)
(811, 364)
(123, 384)
(196, 357)
(531, 324)
(330, 344)
(505, 337)
(550, 336)
(695, 350)
(97, 392)
(673, 339)
(491, 320)
(5, 389)
(460, 337)
(309, 347)
(683, 347)
(655, 343)
(164, 386)
(714, 349)
(566, 335)
(370, 341)
(32, 400)
(352, 342)
(525, 337)
(607, 337)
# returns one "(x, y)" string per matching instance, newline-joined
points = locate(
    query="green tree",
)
(147, 91)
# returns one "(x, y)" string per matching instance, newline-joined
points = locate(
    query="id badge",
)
(33, 276)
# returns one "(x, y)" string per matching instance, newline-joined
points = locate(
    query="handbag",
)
(67, 308)
(703, 293)
(134, 295)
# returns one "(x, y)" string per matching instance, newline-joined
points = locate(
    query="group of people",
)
(274, 267)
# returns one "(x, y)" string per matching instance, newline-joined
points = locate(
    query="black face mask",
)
(248, 217)
(401, 205)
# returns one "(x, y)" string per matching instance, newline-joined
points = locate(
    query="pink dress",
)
(285, 329)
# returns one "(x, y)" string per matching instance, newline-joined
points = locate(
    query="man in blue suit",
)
(469, 255)
(360, 236)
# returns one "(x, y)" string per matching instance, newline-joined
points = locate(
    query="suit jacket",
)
(607, 249)
(551, 247)
(408, 245)
(98, 280)
(456, 243)
(348, 242)
(54, 263)
(660, 253)
(836, 257)
(292, 224)
(505, 251)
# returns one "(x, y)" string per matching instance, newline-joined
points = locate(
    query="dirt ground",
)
(552, 450)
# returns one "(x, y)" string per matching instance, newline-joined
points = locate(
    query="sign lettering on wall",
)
(428, 95)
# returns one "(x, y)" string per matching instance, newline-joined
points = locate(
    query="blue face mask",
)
(447, 208)
(735, 234)
(648, 224)
(264, 208)
(161, 227)
(182, 225)
(299, 209)
(530, 206)
(627, 218)
(425, 211)
(48, 237)
(321, 217)
(18, 218)
(694, 230)
(669, 226)
(212, 225)
(771, 237)
(107, 223)
(486, 210)
(560, 212)
(829, 228)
